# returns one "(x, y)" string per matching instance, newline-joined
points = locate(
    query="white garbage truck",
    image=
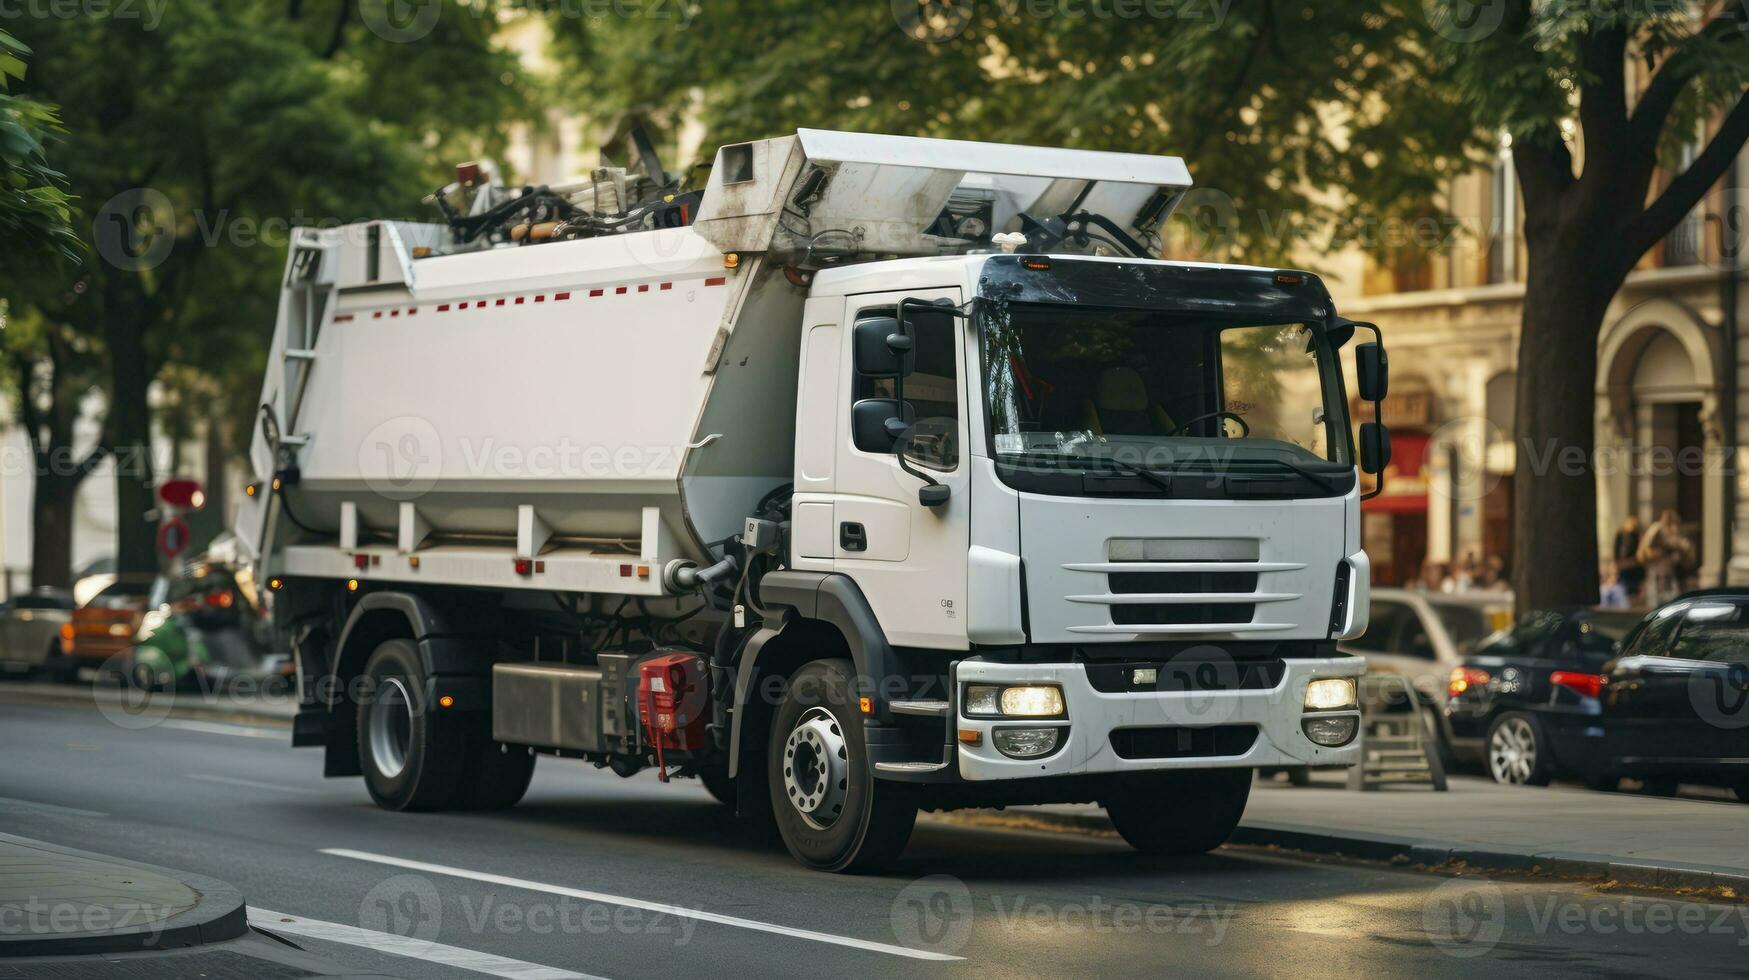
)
(873, 475)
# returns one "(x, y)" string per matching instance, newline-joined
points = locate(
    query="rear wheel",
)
(1179, 812)
(831, 811)
(1517, 752)
(411, 758)
(415, 756)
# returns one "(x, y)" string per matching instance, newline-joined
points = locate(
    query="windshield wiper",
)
(1325, 480)
(1163, 482)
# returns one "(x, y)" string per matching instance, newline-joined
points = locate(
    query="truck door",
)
(908, 559)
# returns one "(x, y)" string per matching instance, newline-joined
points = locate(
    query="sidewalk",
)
(257, 707)
(1567, 831)
(55, 901)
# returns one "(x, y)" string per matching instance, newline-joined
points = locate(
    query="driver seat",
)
(1120, 403)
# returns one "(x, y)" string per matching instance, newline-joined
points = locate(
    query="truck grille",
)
(1178, 742)
(1183, 585)
(1185, 675)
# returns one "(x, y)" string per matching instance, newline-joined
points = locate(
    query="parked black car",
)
(1676, 703)
(1528, 704)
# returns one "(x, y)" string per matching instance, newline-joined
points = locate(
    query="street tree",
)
(195, 143)
(52, 370)
(1308, 126)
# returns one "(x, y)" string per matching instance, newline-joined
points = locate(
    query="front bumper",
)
(1092, 715)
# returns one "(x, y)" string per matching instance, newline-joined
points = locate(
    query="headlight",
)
(1028, 701)
(1330, 693)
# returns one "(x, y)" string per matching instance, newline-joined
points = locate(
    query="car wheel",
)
(832, 813)
(1517, 752)
(1178, 812)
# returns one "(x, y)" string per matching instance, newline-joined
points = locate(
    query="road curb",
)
(219, 915)
(1381, 847)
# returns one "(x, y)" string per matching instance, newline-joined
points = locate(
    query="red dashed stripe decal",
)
(594, 292)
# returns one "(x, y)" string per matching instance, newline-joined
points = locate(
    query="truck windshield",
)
(1159, 389)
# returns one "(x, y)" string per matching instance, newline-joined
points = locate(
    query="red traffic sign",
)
(182, 492)
(173, 537)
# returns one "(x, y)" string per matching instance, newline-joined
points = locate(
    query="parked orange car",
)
(107, 624)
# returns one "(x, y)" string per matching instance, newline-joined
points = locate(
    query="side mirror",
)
(1372, 371)
(881, 348)
(1375, 447)
(876, 424)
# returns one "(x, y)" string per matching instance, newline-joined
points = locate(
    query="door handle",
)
(852, 536)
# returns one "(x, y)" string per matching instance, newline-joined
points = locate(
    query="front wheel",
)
(1189, 812)
(831, 811)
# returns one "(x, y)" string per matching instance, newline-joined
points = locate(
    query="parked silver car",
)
(31, 631)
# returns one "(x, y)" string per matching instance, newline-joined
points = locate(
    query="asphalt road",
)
(595, 875)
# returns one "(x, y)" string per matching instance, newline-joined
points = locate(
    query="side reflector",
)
(971, 736)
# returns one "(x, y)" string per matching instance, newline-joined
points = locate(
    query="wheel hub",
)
(816, 768)
(1513, 752)
(391, 727)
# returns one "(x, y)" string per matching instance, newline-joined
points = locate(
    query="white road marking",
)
(419, 949)
(680, 911)
(50, 808)
(250, 783)
(214, 728)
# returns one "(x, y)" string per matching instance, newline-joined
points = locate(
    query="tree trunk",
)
(1554, 548)
(131, 429)
(51, 537)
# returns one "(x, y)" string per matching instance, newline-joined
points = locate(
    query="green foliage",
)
(35, 209)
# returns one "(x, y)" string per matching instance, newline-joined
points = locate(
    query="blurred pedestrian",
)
(1493, 577)
(1463, 574)
(1432, 577)
(1628, 571)
(1666, 553)
(1614, 594)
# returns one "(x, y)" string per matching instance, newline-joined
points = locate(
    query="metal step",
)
(933, 709)
(910, 766)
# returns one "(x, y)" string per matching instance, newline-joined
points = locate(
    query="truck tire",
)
(717, 782)
(1188, 812)
(412, 756)
(497, 775)
(832, 813)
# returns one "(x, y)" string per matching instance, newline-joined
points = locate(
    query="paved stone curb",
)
(219, 915)
(1379, 847)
